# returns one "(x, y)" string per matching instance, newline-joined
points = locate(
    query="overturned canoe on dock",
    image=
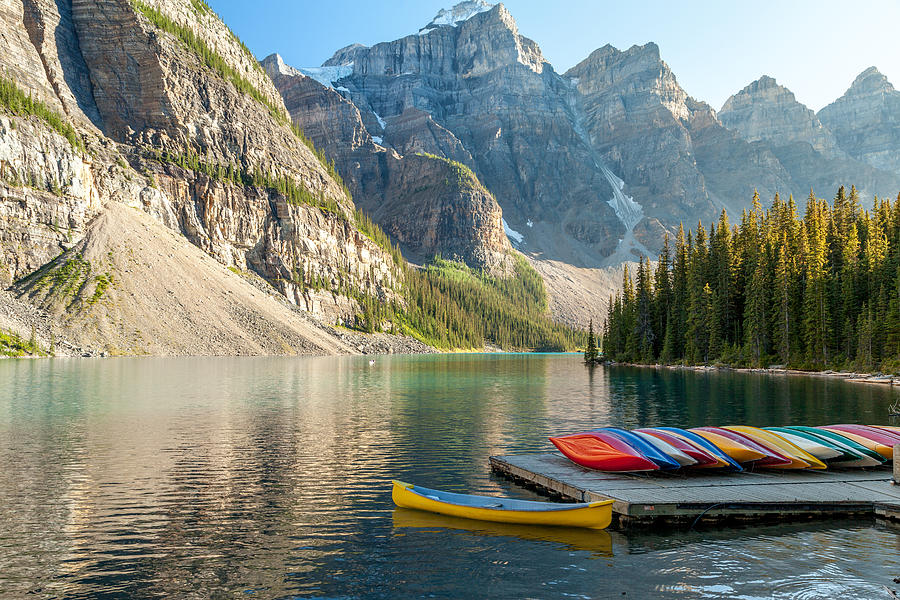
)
(598, 450)
(594, 515)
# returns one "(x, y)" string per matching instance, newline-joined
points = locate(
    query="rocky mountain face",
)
(459, 140)
(428, 204)
(809, 150)
(767, 111)
(866, 121)
(591, 168)
(677, 159)
(477, 88)
(172, 116)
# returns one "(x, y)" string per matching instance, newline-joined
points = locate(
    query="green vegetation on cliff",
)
(13, 346)
(16, 101)
(821, 291)
(214, 61)
(294, 193)
(209, 56)
(465, 177)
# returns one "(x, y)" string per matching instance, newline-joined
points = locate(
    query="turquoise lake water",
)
(269, 478)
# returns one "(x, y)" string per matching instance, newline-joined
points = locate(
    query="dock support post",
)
(896, 478)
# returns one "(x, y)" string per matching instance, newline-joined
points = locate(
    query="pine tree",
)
(783, 326)
(755, 318)
(677, 321)
(820, 290)
(644, 315)
(662, 295)
(590, 353)
(815, 306)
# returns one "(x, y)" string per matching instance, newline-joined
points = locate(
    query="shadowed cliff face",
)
(428, 205)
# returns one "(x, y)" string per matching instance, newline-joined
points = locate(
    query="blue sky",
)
(815, 48)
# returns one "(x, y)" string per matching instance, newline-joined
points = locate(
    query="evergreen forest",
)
(821, 291)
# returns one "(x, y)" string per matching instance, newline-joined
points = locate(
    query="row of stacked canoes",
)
(731, 448)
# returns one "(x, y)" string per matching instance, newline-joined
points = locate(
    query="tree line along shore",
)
(816, 292)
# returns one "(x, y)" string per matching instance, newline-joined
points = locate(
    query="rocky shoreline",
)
(876, 378)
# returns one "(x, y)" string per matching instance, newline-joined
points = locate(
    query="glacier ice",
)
(459, 13)
(513, 235)
(328, 75)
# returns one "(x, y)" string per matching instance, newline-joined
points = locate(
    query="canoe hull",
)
(800, 459)
(772, 459)
(594, 515)
(886, 452)
(740, 452)
(703, 458)
(642, 446)
(602, 452)
(843, 441)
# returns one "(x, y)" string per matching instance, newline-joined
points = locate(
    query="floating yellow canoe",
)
(800, 457)
(595, 515)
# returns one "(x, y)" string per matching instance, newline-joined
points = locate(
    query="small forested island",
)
(821, 291)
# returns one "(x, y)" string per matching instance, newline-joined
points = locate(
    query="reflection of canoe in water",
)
(578, 538)
(596, 515)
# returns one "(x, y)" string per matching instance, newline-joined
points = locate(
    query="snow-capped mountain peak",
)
(460, 12)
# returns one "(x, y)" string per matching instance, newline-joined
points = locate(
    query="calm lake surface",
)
(269, 478)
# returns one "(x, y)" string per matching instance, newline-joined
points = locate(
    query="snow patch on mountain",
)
(328, 75)
(459, 13)
(628, 211)
(513, 235)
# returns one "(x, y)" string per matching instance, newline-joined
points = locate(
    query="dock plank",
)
(648, 498)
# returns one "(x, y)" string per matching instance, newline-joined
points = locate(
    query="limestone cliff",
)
(767, 112)
(172, 115)
(483, 84)
(679, 161)
(428, 205)
(866, 121)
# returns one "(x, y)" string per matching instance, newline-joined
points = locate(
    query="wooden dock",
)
(687, 498)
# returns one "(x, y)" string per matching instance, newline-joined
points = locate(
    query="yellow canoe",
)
(735, 450)
(801, 459)
(595, 515)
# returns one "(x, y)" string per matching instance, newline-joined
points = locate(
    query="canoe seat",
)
(495, 505)
(433, 497)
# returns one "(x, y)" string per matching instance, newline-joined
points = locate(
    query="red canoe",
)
(605, 453)
(702, 457)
